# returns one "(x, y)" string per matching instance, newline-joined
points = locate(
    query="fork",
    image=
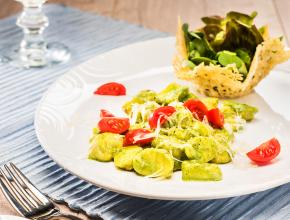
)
(26, 198)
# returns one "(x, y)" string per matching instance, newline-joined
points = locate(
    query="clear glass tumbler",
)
(34, 51)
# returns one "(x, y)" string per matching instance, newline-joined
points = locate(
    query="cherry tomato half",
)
(160, 114)
(197, 108)
(105, 113)
(111, 88)
(215, 118)
(265, 152)
(114, 125)
(138, 136)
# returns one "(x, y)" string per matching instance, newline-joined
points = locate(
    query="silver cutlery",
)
(26, 198)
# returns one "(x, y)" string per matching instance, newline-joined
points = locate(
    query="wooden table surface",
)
(162, 15)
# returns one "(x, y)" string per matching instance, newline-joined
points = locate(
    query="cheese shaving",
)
(140, 137)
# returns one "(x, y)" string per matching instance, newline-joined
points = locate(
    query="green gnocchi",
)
(179, 142)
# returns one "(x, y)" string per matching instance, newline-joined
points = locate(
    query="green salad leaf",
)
(223, 41)
(242, 18)
(237, 35)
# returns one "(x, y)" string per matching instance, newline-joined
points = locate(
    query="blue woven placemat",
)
(88, 35)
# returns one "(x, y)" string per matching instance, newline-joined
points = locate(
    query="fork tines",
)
(21, 193)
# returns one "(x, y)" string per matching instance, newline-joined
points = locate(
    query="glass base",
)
(55, 53)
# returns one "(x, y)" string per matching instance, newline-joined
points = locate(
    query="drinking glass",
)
(34, 51)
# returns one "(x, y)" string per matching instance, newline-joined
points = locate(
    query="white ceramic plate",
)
(69, 110)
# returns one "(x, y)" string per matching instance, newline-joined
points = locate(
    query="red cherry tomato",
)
(111, 88)
(161, 114)
(114, 125)
(105, 113)
(197, 108)
(138, 136)
(265, 152)
(215, 118)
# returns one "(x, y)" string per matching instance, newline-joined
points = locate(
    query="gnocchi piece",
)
(152, 162)
(124, 159)
(192, 170)
(104, 146)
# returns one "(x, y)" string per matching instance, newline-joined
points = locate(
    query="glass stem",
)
(33, 47)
